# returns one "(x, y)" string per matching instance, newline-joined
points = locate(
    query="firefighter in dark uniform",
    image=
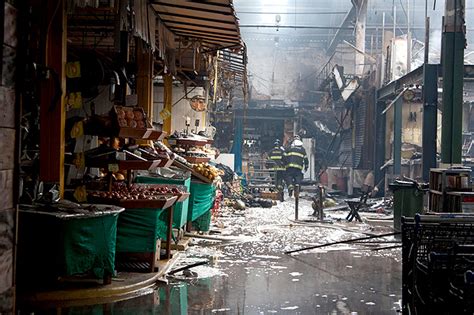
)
(296, 161)
(276, 156)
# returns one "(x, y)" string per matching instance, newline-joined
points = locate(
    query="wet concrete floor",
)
(252, 275)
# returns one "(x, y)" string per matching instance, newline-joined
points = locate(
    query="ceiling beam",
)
(338, 36)
(203, 28)
(203, 33)
(193, 17)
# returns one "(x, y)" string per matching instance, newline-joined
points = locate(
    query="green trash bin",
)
(408, 200)
(180, 212)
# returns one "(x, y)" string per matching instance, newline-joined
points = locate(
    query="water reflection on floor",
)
(252, 276)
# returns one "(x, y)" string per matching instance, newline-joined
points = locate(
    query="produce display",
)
(133, 117)
(137, 192)
(191, 147)
(207, 171)
(191, 152)
(187, 137)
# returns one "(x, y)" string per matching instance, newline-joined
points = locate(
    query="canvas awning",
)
(213, 22)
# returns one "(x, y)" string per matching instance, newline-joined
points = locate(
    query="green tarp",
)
(64, 247)
(89, 245)
(138, 230)
(201, 199)
(180, 212)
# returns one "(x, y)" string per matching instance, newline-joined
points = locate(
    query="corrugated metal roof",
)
(360, 125)
(214, 21)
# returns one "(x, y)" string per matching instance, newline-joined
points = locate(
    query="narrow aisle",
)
(252, 275)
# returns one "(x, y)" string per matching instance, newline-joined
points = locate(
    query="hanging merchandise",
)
(198, 103)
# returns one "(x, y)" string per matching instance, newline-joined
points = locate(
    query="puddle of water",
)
(220, 310)
(290, 308)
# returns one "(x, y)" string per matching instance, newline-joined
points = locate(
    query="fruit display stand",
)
(140, 226)
(58, 243)
(200, 203)
(180, 213)
(192, 148)
(148, 217)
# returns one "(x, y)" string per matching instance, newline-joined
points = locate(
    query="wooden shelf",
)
(188, 142)
(444, 182)
(127, 165)
(136, 133)
(193, 172)
(195, 160)
(201, 177)
(182, 166)
(164, 202)
(181, 197)
(96, 126)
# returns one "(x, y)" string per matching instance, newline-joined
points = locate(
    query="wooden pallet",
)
(182, 245)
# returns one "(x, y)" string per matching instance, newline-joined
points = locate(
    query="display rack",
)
(188, 142)
(444, 181)
(163, 202)
(193, 172)
(137, 207)
(197, 160)
(101, 126)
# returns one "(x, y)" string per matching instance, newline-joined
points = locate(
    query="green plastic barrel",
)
(407, 202)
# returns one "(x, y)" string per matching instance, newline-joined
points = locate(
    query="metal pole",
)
(397, 137)
(297, 200)
(430, 118)
(408, 38)
(379, 145)
(427, 40)
(342, 242)
(321, 204)
(382, 72)
(453, 43)
(393, 51)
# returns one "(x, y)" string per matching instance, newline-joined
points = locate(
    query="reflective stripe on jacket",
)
(295, 157)
(277, 155)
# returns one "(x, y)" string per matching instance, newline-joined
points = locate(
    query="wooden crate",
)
(270, 195)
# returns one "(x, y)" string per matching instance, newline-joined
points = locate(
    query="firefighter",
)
(276, 156)
(296, 161)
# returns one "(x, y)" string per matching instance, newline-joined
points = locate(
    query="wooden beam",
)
(337, 37)
(168, 101)
(144, 79)
(52, 109)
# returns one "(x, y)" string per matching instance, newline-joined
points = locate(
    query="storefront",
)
(115, 135)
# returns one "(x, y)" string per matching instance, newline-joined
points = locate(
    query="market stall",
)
(183, 179)
(65, 240)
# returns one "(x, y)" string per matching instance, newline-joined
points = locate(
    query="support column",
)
(430, 118)
(360, 36)
(168, 101)
(52, 109)
(397, 136)
(144, 79)
(453, 43)
(379, 150)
